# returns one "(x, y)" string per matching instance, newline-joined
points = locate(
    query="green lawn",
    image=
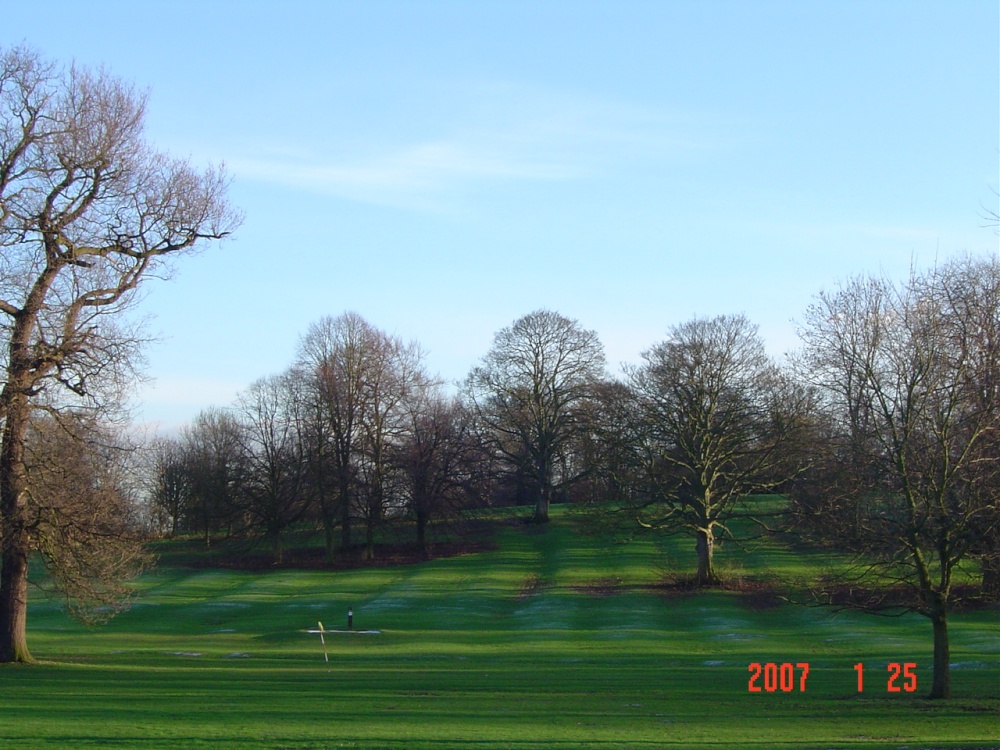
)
(556, 640)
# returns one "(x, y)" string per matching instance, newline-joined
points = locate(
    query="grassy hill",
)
(553, 640)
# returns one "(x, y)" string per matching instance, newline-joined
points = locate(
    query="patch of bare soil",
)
(531, 585)
(758, 594)
(609, 586)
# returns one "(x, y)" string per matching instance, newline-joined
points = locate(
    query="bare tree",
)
(273, 486)
(396, 375)
(613, 449)
(529, 391)
(442, 462)
(358, 378)
(910, 376)
(87, 210)
(717, 421)
(214, 463)
(169, 485)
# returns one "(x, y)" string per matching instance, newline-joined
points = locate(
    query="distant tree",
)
(529, 392)
(615, 451)
(169, 485)
(215, 467)
(396, 377)
(87, 211)
(442, 464)
(273, 487)
(325, 472)
(714, 421)
(606, 451)
(911, 390)
(357, 379)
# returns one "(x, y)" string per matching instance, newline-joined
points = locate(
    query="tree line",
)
(883, 431)
(707, 419)
(355, 434)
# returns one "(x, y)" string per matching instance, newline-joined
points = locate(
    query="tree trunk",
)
(206, 522)
(328, 527)
(705, 545)
(15, 536)
(542, 508)
(543, 497)
(991, 574)
(14, 601)
(345, 517)
(370, 539)
(422, 532)
(277, 548)
(373, 517)
(941, 686)
(329, 516)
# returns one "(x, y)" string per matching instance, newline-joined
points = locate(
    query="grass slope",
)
(556, 640)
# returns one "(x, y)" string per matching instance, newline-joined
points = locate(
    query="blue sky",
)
(443, 168)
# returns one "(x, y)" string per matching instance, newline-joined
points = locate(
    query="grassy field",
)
(555, 640)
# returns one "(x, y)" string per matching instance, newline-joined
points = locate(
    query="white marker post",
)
(322, 640)
(323, 631)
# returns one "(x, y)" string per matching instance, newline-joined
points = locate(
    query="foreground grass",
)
(553, 641)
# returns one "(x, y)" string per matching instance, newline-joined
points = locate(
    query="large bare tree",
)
(911, 377)
(87, 211)
(715, 421)
(529, 391)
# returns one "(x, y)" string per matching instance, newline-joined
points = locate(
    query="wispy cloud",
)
(402, 176)
(499, 134)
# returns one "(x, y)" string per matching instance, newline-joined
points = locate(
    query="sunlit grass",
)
(554, 640)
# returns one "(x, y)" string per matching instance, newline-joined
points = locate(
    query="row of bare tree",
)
(904, 467)
(355, 431)
(883, 430)
(354, 434)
